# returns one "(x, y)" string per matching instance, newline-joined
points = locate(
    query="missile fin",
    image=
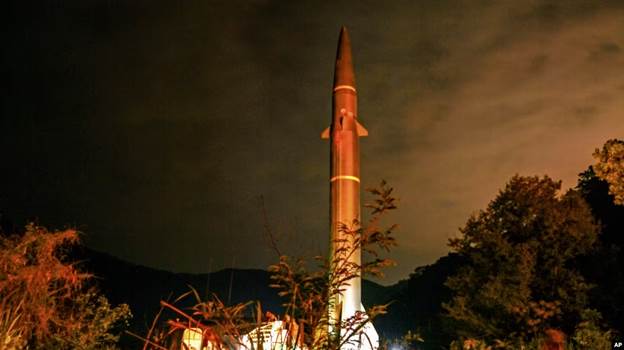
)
(325, 133)
(361, 130)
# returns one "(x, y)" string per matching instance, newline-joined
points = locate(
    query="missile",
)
(344, 182)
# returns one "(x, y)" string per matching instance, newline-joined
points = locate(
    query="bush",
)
(45, 301)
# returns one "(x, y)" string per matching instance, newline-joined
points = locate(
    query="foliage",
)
(409, 340)
(588, 334)
(610, 167)
(221, 324)
(12, 334)
(45, 302)
(596, 192)
(518, 281)
(604, 266)
(310, 294)
(307, 293)
(469, 344)
(93, 320)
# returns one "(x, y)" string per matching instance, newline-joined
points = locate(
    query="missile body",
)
(344, 134)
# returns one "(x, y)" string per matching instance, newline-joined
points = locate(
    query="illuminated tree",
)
(610, 167)
(44, 301)
(518, 282)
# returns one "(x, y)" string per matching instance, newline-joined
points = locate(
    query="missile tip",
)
(343, 74)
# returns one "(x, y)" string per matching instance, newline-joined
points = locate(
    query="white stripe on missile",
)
(344, 177)
(344, 87)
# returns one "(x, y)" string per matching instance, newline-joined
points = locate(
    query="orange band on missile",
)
(345, 177)
(344, 87)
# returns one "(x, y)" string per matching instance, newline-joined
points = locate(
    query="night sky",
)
(155, 126)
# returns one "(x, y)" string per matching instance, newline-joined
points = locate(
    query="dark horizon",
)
(156, 127)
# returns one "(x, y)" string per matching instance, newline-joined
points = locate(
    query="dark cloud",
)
(603, 52)
(610, 48)
(156, 126)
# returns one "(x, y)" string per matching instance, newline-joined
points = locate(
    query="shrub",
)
(45, 301)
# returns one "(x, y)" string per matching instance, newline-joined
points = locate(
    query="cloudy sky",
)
(156, 127)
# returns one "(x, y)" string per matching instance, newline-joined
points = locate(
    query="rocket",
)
(344, 181)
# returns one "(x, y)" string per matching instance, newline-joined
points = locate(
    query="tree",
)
(610, 167)
(604, 266)
(518, 282)
(44, 300)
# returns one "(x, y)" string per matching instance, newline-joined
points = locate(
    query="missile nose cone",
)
(343, 73)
